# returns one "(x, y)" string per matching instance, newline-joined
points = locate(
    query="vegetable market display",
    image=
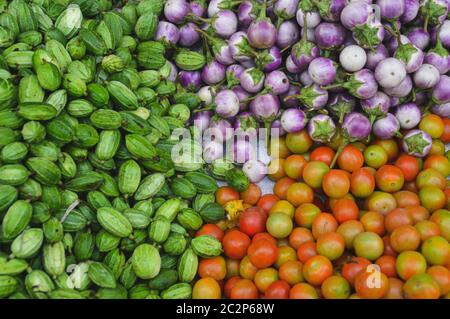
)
(94, 204)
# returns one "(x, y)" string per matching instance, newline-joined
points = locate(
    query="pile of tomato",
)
(377, 225)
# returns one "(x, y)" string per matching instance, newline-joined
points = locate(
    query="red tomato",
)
(229, 284)
(244, 289)
(323, 154)
(267, 201)
(278, 290)
(251, 195)
(212, 230)
(387, 265)
(225, 194)
(235, 244)
(389, 178)
(262, 253)
(252, 221)
(345, 209)
(350, 159)
(409, 165)
(306, 250)
(353, 267)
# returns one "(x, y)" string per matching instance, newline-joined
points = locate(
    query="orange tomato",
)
(232, 266)
(395, 290)
(225, 194)
(244, 289)
(281, 186)
(293, 166)
(396, 218)
(445, 137)
(251, 195)
(390, 146)
(300, 235)
(441, 275)
(291, 272)
(235, 244)
(323, 154)
(212, 230)
(264, 277)
(305, 214)
(314, 172)
(349, 230)
(350, 159)
(229, 284)
(262, 253)
(418, 213)
(323, 223)
(439, 163)
(214, 268)
(406, 199)
(362, 182)
(276, 169)
(299, 142)
(303, 291)
(306, 250)
(336, 183)
(206, 288)
(246, 269)
(409, 165)
(278, 147)
(299, 193)
(278, 290)
(364, 285)
(345, 209)
(373, 222)
(331, 245)
(389, 178)
(387, 265)
(283, 206)
(317, 269)
(285, 254)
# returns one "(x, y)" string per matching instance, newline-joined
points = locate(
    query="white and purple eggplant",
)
(313, 97)
(329, 36)
(408, 115)
(341, 104)
(390, 72)
(386, 127)
(226, 103)
(322, 71)
(261, 33)
(293, 120)
(321, 128)
(441, 91)
(377, 106)
(252, 80)
(417, 143)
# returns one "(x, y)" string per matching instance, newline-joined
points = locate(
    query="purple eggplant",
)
(419, 38)
(443, 110)
(411, 11)
(444, 34)
(175, 11)
(377, 106)
(391, 10)
(289, 98)
(246, 122)
(213, 72)
(305, 79)
(242, 151)
(321, 128)
(188, 35)
(390, 72)
(261, 33)
(408, 115)
(288, 34)
(226, 103)
(277, 82)
(441, 91)
(293, 120)
(167, 32)
(356, 13)
(255, 170)
(190, 80)
(292, 67)
(285, 9)
(341, 104)
(376, 56)
(426, 77)
(386, 127)
(277, 130)
(329, 36)
(353, 58)
(417, 143)
(239, 47)
(198, 8)
(312, 18)
(322, 71)
(224, 23)
(361, 84)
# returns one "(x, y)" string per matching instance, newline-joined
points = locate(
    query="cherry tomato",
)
(278, 290)
(433, 125)
(300, 235)
(317, 269)
(406, 199)
(291, 272)
(303, 291)
(349, 230)
(212, 230)
(350, 159)
(324, 223)
(298, 142)
(389, 178)
(299, 193)
(409, 165)
(345, 209)
(387, 265)
(396, 218)
(285, 254)
(375, 156)
(314, 172)
(439, 163)
(265, 236)
(362, 182)
(244, 289)
(281, 186)
(262, 253)
(283, 206)
(364, 285)
(246, 269)
(390, 146)
(353, 267)
(418, 213)
(430, 177)
(436, 250)
(279, 225)
(306, 250)
(323, 154)
(421, 286)
(264, 277)
(368, 245)
(410, 263)
(331, 245)
(373, 222)
(235, 244)
(381, 202)
(427, 229)
(225, 194)
(267, 201)
(432, 198)
(437, 148)
(206, 288)
(251, 195)
(441, 275)
(445, 137)
(405, 238)
(276, 169)
(293, 166)
(229, 284)
(335, 287)
(305, 214)
(278, 147)
(252, 221)
(232, 266)
(395, 290)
